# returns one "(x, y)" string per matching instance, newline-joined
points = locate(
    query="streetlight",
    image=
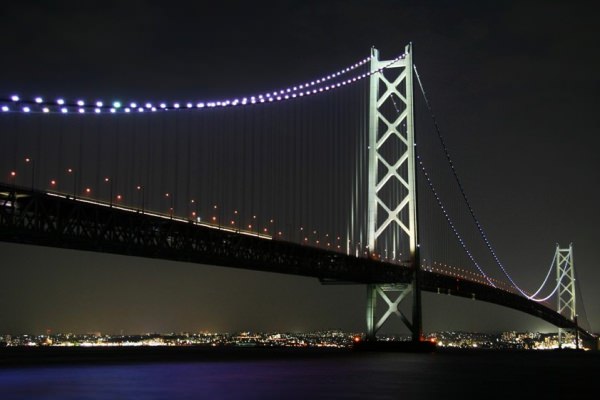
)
(236, 220)
(140, 189)
(195, 211)
(32, 162)
(72, 172)
(168, 195)
(13, 177)
(214, 218)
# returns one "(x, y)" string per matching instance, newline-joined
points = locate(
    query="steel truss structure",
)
(392, 130)
(565, 278)
(47, 219)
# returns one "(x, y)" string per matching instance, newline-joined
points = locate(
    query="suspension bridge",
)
(321, 178)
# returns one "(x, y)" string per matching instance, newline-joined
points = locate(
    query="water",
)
(475, 375)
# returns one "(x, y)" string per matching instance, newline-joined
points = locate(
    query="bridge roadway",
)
(57, 220)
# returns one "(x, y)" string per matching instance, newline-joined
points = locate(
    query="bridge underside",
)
(39, 218)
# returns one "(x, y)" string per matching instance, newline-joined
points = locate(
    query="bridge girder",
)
(39, 218)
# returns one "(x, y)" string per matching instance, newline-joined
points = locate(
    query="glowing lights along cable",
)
(450, 223)
(468, 203)
(60, 105)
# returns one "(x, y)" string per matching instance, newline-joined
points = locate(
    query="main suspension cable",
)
(462, 190)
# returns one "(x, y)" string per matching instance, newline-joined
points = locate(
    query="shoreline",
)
(24, 356)
(41, 356)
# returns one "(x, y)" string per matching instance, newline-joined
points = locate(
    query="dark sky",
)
(515, 90)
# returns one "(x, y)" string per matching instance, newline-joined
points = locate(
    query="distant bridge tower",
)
(565, 277)
(392, 218)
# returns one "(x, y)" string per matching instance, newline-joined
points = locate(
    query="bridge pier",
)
(393, 294)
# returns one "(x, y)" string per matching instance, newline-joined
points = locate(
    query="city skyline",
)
(515, 100)
(511, 340)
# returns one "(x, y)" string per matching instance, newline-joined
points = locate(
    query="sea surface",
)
(351, 375)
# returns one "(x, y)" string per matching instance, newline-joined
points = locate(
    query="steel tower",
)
(392, 218)
(565, 278)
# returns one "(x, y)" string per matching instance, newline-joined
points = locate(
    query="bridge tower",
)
(388, 168)
(565, 278)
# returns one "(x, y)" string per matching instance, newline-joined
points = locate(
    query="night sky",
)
(514, 87)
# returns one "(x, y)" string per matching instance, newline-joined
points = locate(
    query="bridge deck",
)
(47, 219)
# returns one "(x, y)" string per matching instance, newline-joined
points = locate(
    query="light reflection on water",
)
(358, 376)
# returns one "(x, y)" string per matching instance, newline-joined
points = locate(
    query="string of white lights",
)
(463, 274)
(450, 223)
(467, 202)
(558, 282)
(479, 227)
(554, 259)
(448, 219)
(61, 105)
